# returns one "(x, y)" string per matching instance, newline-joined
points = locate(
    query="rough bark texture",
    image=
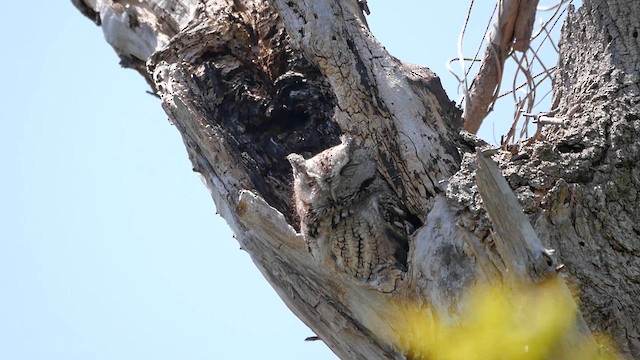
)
(248, 82)
(591, 171)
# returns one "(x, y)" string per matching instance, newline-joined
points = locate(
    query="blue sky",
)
(110, 247)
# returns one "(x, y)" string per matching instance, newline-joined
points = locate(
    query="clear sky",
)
(110, 247)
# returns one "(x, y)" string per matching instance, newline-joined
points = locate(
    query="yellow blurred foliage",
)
(533, 322)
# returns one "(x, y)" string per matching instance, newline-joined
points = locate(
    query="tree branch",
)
(512, 30)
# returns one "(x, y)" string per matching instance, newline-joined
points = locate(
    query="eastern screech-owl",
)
(349, 217)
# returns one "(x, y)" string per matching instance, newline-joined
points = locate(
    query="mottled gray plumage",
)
(349, 217)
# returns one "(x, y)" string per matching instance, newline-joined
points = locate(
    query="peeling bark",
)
(247, 83)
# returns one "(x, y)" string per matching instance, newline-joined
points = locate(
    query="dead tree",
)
(246, 83)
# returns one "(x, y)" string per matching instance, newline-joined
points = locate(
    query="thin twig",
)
(460, 53)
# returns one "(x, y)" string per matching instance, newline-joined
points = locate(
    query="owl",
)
(350, 219)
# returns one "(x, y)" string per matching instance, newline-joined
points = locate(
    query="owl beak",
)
(297, 162)
(333, 196)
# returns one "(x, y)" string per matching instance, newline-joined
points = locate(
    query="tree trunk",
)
(249, 82)
(590, 172)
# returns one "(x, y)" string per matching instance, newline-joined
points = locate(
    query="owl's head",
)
(332, 176)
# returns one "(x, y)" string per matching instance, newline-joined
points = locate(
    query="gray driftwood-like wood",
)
(511, 31)
(248, 82)
(516, 241)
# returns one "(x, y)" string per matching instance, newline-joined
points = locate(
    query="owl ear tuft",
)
(347, 141)
(298, 163)
(343, 157)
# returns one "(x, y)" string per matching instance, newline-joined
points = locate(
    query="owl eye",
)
(311, 182)
(349, 169)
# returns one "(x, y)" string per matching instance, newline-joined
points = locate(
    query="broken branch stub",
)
(526, 259)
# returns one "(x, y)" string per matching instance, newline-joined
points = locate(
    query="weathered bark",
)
(590, 172)
(246, 83)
